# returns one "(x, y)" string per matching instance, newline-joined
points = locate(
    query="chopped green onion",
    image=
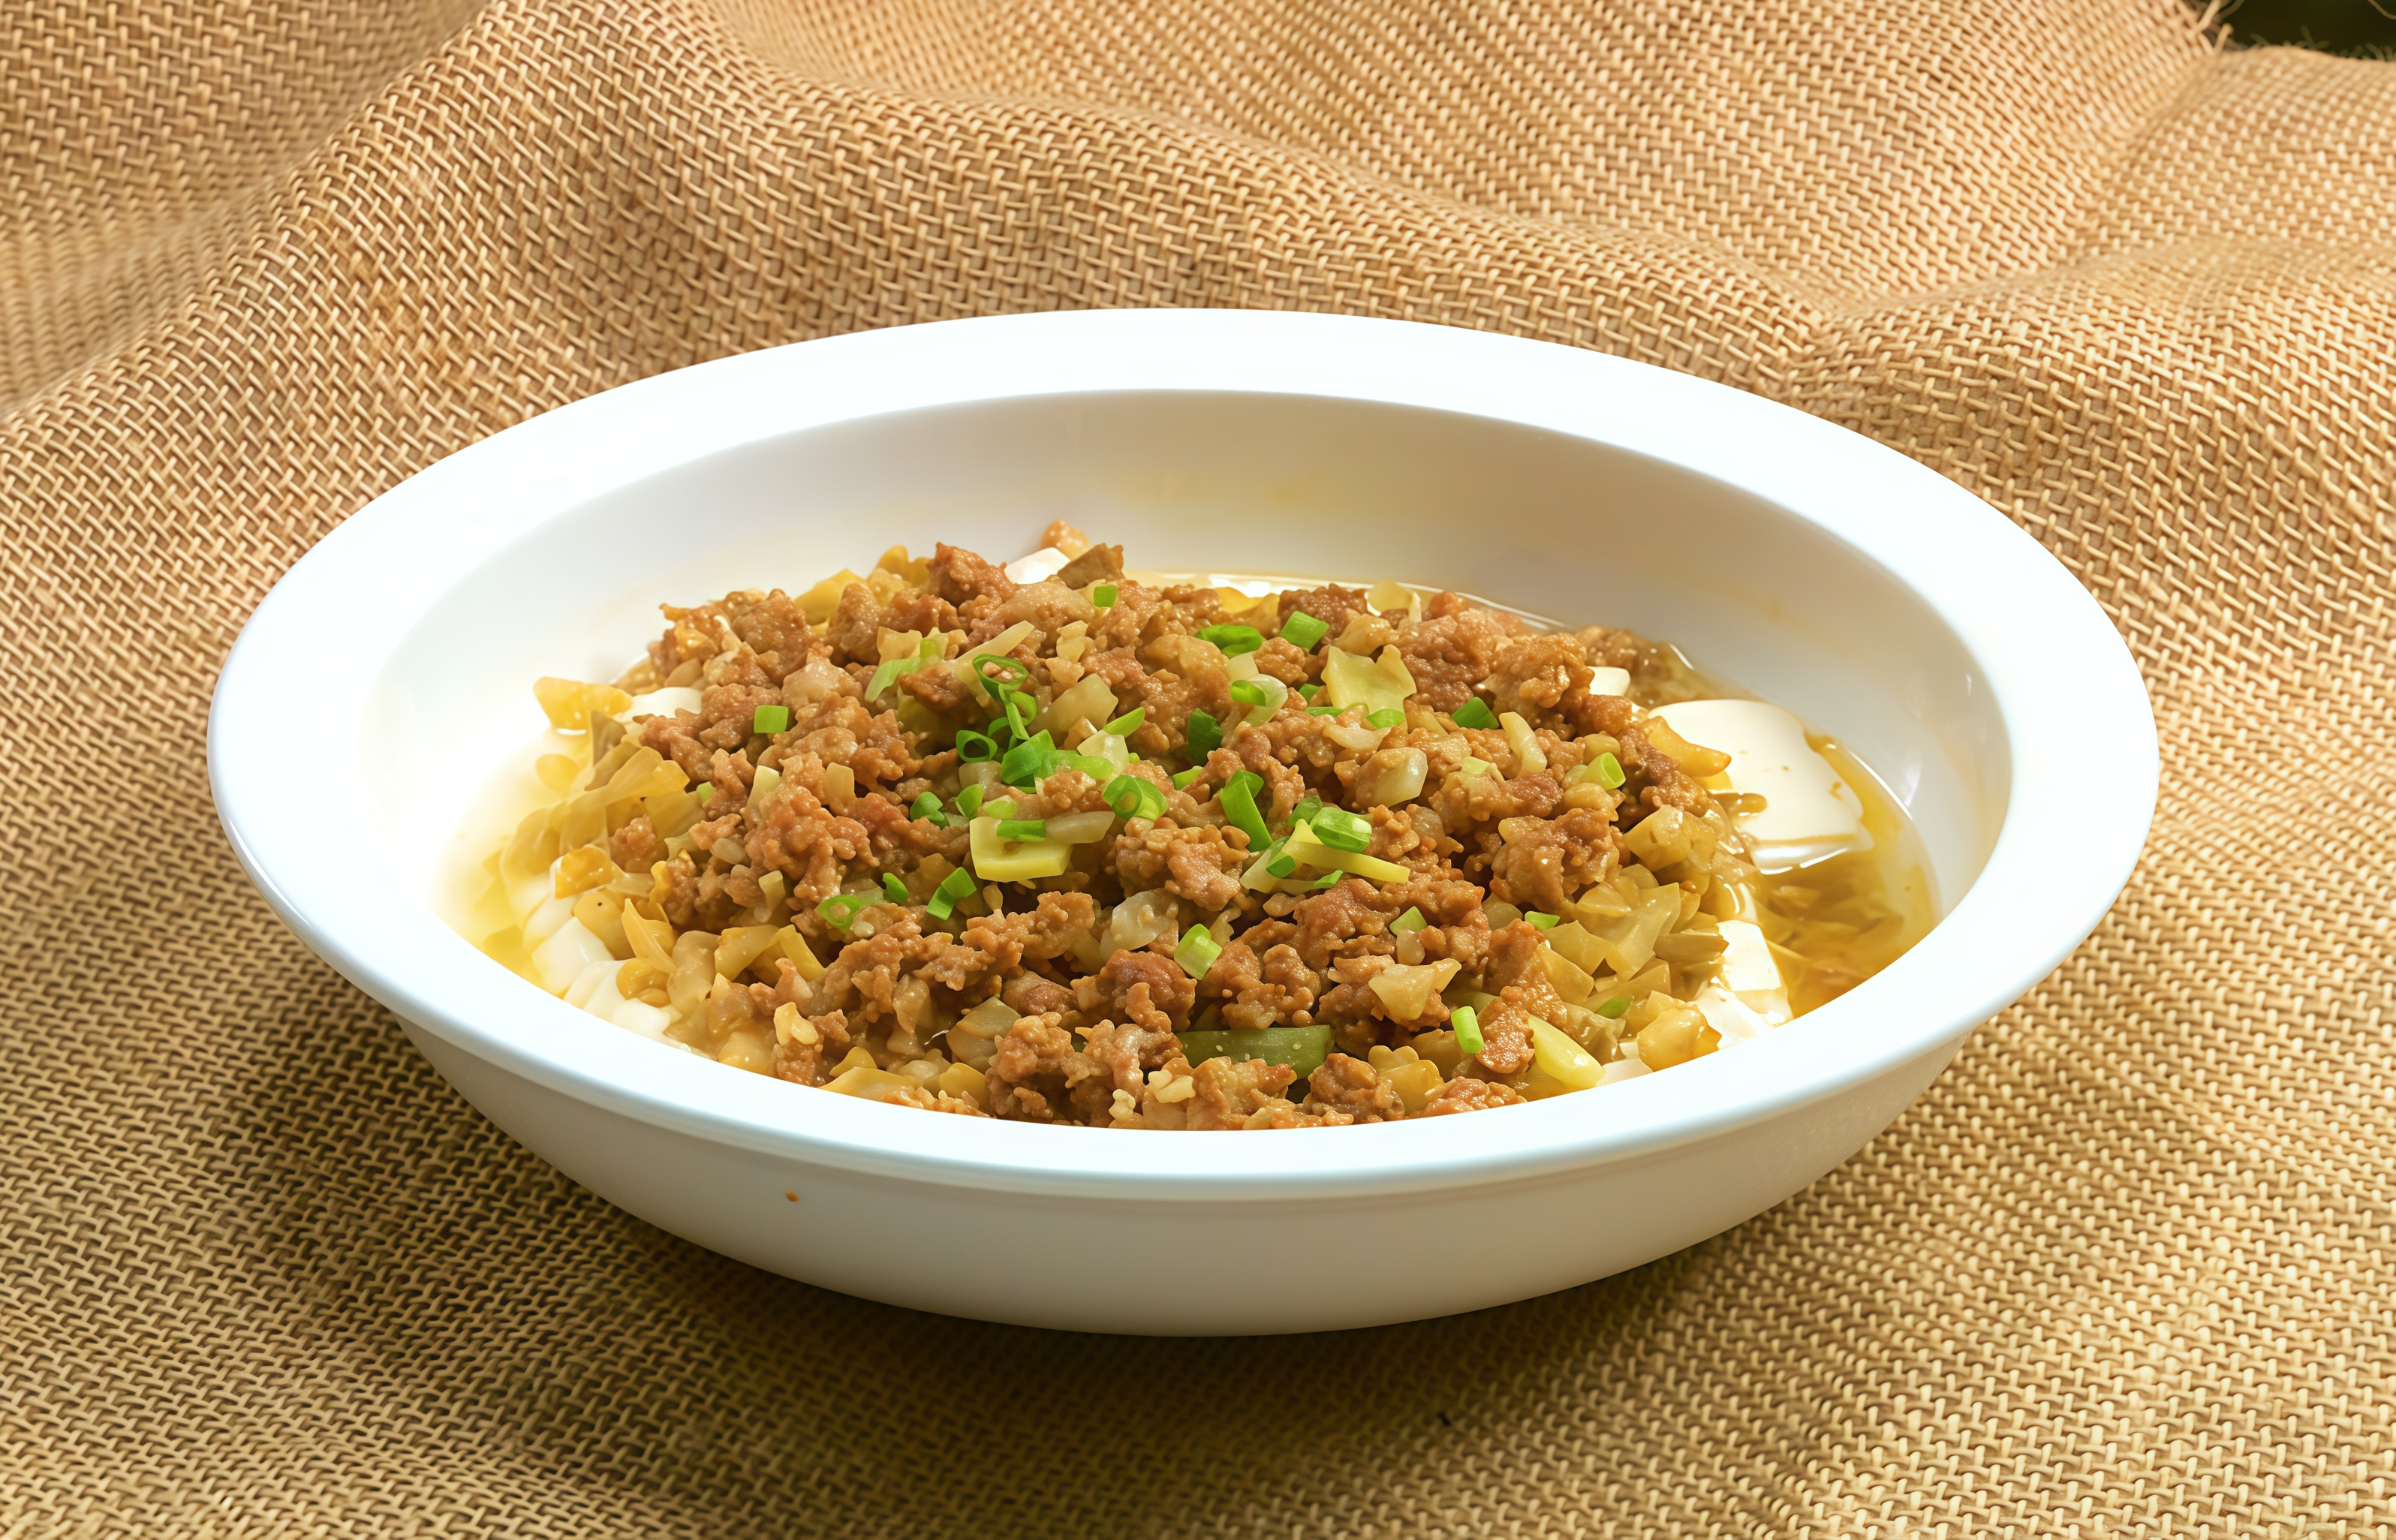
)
(1127, 724)
(928, 806)
(998, 807)
(1543, 922)
(1388, 716)
(1103, 596)
(1018, 671)
(1029, 762)
(1097, 769)
(1023, 829)
(953, 890)
(1342, 830)
(1134, 797)
(893, 887)
(1308, 692)
(1233, 640)
(706, 790)
(1238, 801)
(1181, 778)
(1323, 710)
(1328, 878)
(891, 668)
(1469, 766)
(1411, 921)
(1475, 713)
(1278, 863)
(1198, 950)
(770, 718)
(1612, 1010)
(1248, 692)
(838, 911)
(974, 747)
(1306, 809)
(1467, 1022)
(1609, 771)
(1204, 735)
(969, 801)
(1303, 630)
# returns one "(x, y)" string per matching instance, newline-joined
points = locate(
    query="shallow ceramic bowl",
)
(1887, 606)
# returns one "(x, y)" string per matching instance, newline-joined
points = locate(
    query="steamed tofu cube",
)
(1809, 813)
(1730, 1016)
(560, 959)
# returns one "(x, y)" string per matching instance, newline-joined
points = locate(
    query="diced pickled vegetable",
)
(1301, 1048)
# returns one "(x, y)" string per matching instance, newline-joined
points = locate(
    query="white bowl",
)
(1884, 604)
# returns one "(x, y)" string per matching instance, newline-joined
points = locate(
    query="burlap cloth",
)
(2126, 1270)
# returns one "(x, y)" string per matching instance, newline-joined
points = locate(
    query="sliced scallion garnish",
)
(1181, 778)
(1238, 801)
(969, 801)
(1411, 921)
(1103, 596)
(998, 807)
(769, 720)
(1387, 717)
(1023, 829)
(953, 890)
(894, 887)
(1127, 724)
(1198, 950)
(1341, 829)
(1204, 736)
(838, 911)
(1233, 640)
(1609, 771)
(1302, 631)
(928, 806)
(1467, 1022)
(1612, 1010)
(1542, 921)
(1249, 692)
(1134, 797)
(1475, 713)
(973, 748)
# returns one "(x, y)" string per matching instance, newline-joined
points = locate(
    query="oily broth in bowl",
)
(1068, 965)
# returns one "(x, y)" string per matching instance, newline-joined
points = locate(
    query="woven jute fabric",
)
(2126, 1270)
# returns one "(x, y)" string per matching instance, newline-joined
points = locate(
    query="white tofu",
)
(664, 702)
(637, 1015)
(1747, 958)
(1728, 1014)
(1610, 681)
(593, 989)
(1042, 563)
(560, 959)
(1809, 813)
(545, 920)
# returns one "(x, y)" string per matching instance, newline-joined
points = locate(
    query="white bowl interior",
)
(1312, 486)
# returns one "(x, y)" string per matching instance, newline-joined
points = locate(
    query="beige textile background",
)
(2127, 1270)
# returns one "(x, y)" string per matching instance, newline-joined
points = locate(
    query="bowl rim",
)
(336, 616)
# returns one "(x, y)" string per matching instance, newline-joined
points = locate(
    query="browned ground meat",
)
(910, 891)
